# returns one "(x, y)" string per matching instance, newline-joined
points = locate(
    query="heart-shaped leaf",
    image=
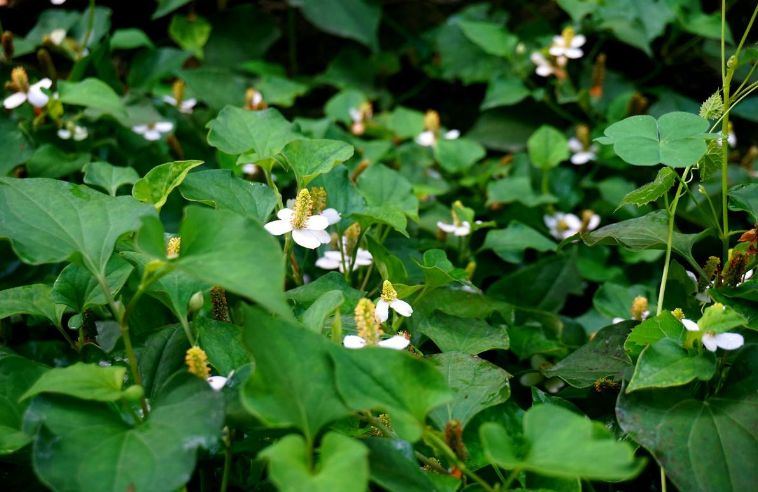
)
(155, 186)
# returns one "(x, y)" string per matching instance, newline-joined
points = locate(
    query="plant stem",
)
(438, 443)
(227, 464)
(90, 25)
(663, 480)
(511, 477)
(669, 240)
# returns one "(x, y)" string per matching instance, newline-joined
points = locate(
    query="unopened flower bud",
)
(133, 393)
(46, 63)
(639, 308)
(432, 121)
(196, 302)
(8, 49)
(454, 439)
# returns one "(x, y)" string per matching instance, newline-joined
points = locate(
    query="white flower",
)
(579, 154)
(713, 341)
(702, 297)
(57, 36)
(57, 2)
(463, 229)
(34, 95)
(731, 138)
(568, 44)
(153, 131)
(217, 382)
(563, 225)
(185, 106)
(389, 300)
(428, 138)
(397, 342)
(544, 67)
(333, 259)
(78, 133)
(307, 230)
(249, 169)
(332, 215)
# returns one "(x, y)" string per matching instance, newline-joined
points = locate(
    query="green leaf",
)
(647, 232)
(438, 270)
(614, 300)
(155, 186)
(559, 443)
(391, 381)
(650, 331)
(14, 147)
(89, 446)
(602, 357)
(342, 465)
(511, 242)
(649, 192)
(50, 221)
(309, 158)
(223, 344)
(719, 319)
(490, 37)
(190, 33)
(636, 23)
(458, 155)
(516, 189)
(387, 215)
(665, 364)
(174, 289)
(476, 384)
(394, 466)
(34, 300)
(504, 92)
(17, 374)
(406, 123)
(466, 335)
(676, 139)
(354, 19)
(49, 161)
(547, 147)
(236, 130)
(550, 280)
(225, 249)
(130, 38)
(703, 444)
(384, 187)
(91, 93)
(316, 315)
(78, 289)
(293, 383)
(108, 177)
(85, 381)
(307, 294)
(168, 6)
(745, 198)
(162, 356)
(218, 188)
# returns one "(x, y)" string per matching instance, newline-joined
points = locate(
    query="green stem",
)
(187, 331)
(511, 477)
(663, 480)
(669, 240)
(227, 465)
(90, 25)
(438, 443)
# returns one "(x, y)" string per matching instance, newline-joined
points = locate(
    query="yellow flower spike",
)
(318, 197)
(177, 89)
(432, 121)
(639, 308)
(197, 362)
(173, 247)
(302, 209)
(366, 322)
(678, 314)
(389, 293)
(568, 35)
(583, 135)
(19, 79)
(352, 234)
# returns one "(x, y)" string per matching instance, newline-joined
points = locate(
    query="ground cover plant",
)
(342, 245)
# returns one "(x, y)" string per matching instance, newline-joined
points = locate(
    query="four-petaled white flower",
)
(564, 225)
(185, 106)
(397, 342)
(72, 130)
(462, 229)
(32, 93)
(153, 131)
(217, 382)
(581, 154)
(333, 259)
(389, 300)
(713, 341)
(545, 67)
(307, 230)
(568, 44)
(428, 138)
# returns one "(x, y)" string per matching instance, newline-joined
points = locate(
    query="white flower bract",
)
(397, 342)
(464, 229)
(311, 235)
(153, 131)
(332, 260)
(714, 341)
(35, 96)
(579, 154)
(217, 382)
(568, 47)
(186, 106)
